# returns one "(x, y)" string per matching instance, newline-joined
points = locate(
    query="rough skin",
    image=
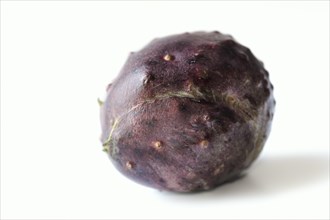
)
(188, 112)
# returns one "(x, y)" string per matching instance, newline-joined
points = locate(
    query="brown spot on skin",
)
(156, 145)
(230, 99)
(204, 144)
(168, 57)
(129, 165)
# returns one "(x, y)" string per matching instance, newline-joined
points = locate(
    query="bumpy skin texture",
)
(188, 112)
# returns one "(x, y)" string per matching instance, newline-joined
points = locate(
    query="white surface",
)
(58, 57)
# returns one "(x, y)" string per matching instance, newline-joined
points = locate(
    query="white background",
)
(58, 57)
